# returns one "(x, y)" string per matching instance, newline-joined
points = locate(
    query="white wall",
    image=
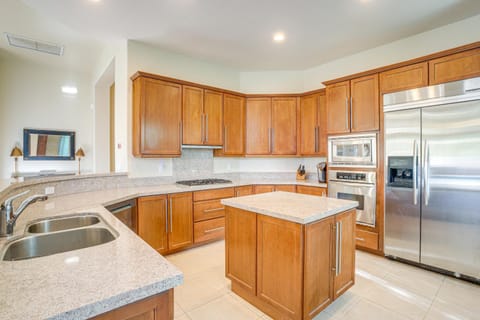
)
(30, 96)
(443, 38)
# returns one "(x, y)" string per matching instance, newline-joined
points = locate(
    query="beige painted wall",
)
(30, 96)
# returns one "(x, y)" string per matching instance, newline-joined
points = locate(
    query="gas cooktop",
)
(200, 182)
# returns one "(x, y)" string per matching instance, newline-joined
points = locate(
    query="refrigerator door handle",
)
(415, 171)
(426, 173)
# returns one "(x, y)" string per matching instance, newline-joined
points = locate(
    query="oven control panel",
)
(368, 177)
(351, 176)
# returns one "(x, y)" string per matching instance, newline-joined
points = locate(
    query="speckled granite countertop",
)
(83, 283)
(289, 206)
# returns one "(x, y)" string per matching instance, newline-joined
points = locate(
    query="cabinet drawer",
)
(263, 188)
(314, 191)
(366, 239)
(213, 229)
(210, 209)
(213, 194)
(286, 187)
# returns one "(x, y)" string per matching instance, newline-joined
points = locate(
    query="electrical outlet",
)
(49, 190)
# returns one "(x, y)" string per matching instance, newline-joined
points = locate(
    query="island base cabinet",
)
(289, 270)
(158, 307)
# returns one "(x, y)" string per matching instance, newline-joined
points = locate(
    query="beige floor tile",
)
(248, 305)
(199, 289)
(365, 309)
(462, 294)
(177, 310)
(399, 299)
(225, 307)
(343, 304)
(182, 317)
(374, 264)
(442, 310)
(413, 279)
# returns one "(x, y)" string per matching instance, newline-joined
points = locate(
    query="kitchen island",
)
(290, 254)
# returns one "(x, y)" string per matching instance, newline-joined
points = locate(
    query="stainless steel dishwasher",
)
(125, 211)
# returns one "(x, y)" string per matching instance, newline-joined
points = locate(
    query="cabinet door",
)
(365, 106)
(309, 124)
(454, 67)
(344, 252)
(241, 247)
(338, 107)
(259, 127)
(152, 221)
(180, 226)
(234, 125)
(314, 191)
(284, 126)
(318, 280)
(243, 191)
(322, 126)
(193, 117)
(263, 188)
(213, 121)
(404, 78)
(286, 187)
(280, 264)
(157, 118)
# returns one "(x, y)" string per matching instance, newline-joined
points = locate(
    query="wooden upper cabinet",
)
(404, 78)
(202, 116)
(338, 107)
(313, 125)
(454, 67)
(213, 118)
(364, 104)
(152, 221)
(180, 219)
(234, 125)
(259, 126)
(157, 118)
(284, 126)
(353, 106)
(193, 121)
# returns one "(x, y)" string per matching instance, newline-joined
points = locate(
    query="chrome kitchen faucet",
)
(8, 217)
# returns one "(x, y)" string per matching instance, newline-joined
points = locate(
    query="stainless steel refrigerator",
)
(432, 177)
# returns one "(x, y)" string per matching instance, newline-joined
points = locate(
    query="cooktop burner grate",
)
(200, 182)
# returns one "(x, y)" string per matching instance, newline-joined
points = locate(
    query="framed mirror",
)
(48, 144)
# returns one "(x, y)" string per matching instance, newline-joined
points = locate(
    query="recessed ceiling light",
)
(279, 37)
(69, 90)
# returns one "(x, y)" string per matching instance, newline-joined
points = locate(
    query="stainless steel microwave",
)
(353, 151)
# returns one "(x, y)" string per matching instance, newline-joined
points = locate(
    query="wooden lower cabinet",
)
(157, 307)
(314, 191)
(243, 191)
(286, 187)
(289, 270)
(263, 188)
(166, 222)
(208, 213)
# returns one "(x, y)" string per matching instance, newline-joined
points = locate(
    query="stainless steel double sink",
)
(57, 235)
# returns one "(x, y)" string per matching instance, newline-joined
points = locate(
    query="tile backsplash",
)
(193, 164)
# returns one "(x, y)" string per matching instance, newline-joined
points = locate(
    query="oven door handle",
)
(352, 184)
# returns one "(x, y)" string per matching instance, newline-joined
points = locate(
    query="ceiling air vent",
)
(41, 46)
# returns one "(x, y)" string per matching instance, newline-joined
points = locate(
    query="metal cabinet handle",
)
(426, 173)
(225, 139)
(236, 193)
(206, 128)
(213, 210)
(180, 133)
(415, 176)
(351, 112)
(202, 126)
(338, 268)
(316, 142)
(346, 113)
(360, 239)
(213, 230)
(270, 140)
(171, 217)
(273, 139)
(166, 216)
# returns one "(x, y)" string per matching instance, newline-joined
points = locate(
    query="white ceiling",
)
(239, 33)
